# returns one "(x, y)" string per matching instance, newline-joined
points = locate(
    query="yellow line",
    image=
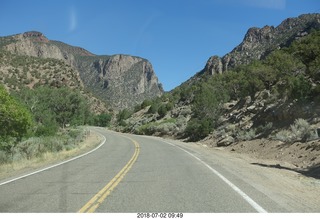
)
(96, 200)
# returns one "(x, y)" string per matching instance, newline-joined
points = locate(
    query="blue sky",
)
(176, 36)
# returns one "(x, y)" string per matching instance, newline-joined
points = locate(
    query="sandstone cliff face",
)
(259, 42)
(120, 80)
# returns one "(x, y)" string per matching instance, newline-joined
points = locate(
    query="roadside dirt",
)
(303, 158)
(287, 174)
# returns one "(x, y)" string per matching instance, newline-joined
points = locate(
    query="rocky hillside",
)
(20, 71)
(262, 98)
(120, 80)
(259, 42)
(267, 81)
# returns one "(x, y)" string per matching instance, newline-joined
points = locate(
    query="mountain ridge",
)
(136, 80)
(259, 42)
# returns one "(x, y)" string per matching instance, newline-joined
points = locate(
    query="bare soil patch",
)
(303, 158)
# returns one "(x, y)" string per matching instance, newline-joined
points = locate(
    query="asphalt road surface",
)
(129, 173)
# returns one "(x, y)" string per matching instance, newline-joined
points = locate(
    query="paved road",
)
(133, 174)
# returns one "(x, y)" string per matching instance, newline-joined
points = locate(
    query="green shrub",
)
(102, 120)
(299, 131)
(284, 136)
(166, 128)
(162, 110)
(147, 129)
(137, 108)
(153, 108)
(161, 128)
(31, 148)
(123, 115)
(145, 103)
(198, 129)
(169, 106)
(37, 146)
(299, 87)
(246, 135)
(4, 157)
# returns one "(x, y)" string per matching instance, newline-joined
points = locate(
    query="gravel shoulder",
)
(279, 178)
(303, 158)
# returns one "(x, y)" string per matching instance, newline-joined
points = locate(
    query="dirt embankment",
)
(303, 158)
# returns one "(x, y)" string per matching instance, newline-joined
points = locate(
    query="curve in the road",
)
(55, 165)
(158, 175)
(95, 202)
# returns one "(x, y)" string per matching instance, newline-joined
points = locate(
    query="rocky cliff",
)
(121, 80)
(259, 42)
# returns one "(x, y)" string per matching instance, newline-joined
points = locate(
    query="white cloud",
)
(73, 20)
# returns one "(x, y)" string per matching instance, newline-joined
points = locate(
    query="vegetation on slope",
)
(42, 100)
(18, 71)
(31, 117)
(290, 74)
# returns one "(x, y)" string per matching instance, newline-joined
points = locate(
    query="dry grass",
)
(48, 158)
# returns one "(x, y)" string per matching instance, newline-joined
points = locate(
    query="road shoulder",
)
(291, 190)
(22, 167)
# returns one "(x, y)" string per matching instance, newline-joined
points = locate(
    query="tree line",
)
(42, 112)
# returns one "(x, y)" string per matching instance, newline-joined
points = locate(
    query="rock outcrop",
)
(37, 45)
(121, 79)
(259, 42)
(35, 36)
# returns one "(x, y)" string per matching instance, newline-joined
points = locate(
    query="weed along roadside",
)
(40, 152)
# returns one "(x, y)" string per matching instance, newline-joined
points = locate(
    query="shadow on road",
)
(313, 171)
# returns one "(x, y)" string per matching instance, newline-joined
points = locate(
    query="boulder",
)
(225, 141)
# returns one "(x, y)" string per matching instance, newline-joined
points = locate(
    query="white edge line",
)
(255, 205)
(55, 165)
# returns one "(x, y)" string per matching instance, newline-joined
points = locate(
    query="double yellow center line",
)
(96, 201)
